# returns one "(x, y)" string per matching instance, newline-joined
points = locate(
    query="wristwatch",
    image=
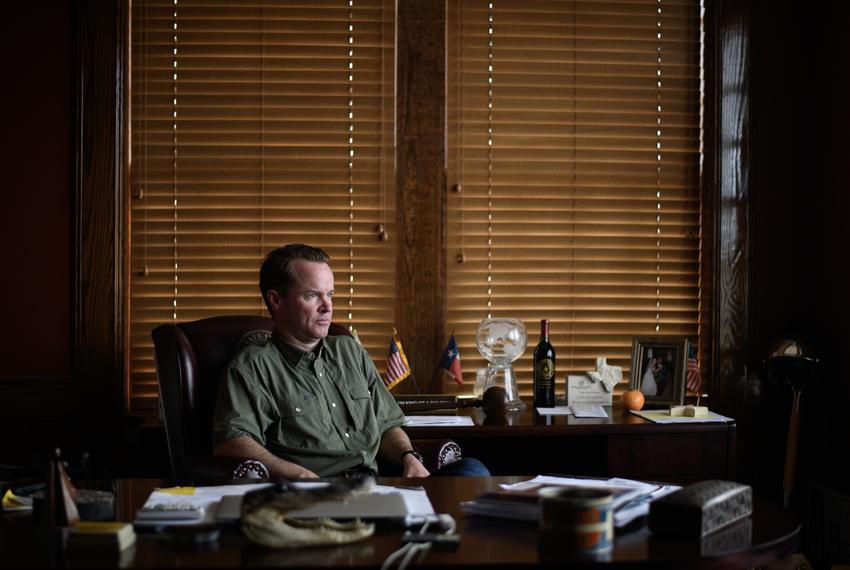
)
(414, 453)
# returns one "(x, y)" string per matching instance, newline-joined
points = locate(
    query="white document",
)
(556, 411)
(664, 417)
(385, 502)
(627, 506)
(205, 499)
(588, 411)
(419, 421)
(583, 390)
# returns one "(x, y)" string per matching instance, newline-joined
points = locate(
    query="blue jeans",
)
(466, 467)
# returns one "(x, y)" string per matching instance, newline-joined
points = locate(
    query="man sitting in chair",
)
(307, 404)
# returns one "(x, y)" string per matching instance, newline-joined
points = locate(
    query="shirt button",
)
(346, 435)
(297, 409)
(333, 404)
(320, 374)
(363, 452)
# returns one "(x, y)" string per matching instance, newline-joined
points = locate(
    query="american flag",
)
(397, 367)
(694, 375)
(451, 361)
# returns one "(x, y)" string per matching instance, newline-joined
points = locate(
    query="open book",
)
(520, 501)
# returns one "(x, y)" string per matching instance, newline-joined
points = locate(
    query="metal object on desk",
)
(791, 364)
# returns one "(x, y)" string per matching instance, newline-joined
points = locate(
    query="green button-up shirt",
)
(324, 410)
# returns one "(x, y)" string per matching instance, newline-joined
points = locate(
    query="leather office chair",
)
(190, 358)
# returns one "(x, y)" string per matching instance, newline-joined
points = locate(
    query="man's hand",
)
(302, 473)
(412, 467)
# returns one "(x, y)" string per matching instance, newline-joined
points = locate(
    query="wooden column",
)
(421, 184)
(98, 219)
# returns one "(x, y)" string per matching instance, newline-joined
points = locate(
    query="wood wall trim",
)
(735, 391)
(731, 171)
(98, 214)
(420, 310)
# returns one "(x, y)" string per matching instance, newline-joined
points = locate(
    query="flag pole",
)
(415, 383)
(437, 371)
(434, 377)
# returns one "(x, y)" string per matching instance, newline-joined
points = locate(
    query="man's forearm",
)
(395, 442)
(246, 447)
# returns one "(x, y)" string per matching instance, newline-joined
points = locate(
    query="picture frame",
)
(659, 364)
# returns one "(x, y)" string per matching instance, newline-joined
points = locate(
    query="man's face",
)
(304, 313)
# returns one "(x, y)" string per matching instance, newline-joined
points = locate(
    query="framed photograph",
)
(659, 364)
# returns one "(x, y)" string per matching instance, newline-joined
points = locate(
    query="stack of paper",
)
(417, 421)
(520, 500)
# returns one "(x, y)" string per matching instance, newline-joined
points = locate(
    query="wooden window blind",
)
(575, 139)
(255, 124)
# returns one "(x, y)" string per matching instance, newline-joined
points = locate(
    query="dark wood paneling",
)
(735, 390)
(421, 183)
(35, 219)
(36, 305)
(99, 201)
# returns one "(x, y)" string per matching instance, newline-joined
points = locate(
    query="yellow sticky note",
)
(12, 501)
(178, 490)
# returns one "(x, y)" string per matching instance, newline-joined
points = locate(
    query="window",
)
(253, 124)
(575, 140)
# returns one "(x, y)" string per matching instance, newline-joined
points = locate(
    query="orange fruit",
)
(633, 399)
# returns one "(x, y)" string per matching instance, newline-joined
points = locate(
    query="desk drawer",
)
(676, 457)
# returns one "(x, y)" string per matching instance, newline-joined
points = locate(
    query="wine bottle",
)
(544, 369)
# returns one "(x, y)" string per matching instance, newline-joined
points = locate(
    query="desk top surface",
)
(528, 422)
(774, 535)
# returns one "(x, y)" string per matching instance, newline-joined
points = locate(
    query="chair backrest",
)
(190, 358)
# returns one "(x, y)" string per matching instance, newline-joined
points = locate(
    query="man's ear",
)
(273, 299)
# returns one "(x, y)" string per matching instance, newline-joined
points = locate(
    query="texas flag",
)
(451, 361)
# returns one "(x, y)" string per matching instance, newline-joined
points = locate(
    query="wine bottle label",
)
(546, 369)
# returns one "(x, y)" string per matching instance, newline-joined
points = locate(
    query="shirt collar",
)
(294, 355)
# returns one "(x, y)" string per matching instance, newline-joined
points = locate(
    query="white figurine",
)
(608, 375)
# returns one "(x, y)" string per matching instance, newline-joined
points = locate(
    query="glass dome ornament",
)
(501, 341)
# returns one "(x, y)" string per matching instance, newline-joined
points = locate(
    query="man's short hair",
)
(277, 273)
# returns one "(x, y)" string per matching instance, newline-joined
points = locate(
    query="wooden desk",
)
(622, 445)
(775, 535)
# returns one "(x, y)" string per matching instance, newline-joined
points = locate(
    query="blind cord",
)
(658, 145)
(489, 160)
(350, 165)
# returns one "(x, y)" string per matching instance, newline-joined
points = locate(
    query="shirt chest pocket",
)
(301, 422)
(359, 403)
